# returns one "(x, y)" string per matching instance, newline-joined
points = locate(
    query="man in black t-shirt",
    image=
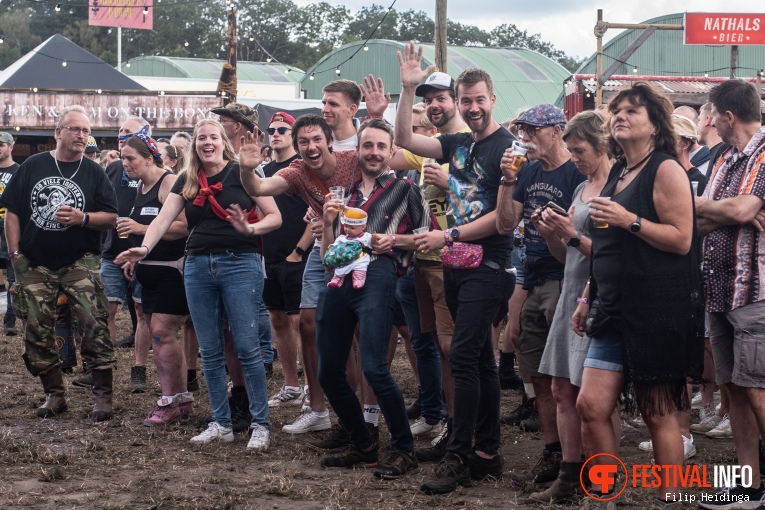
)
(285, 251)
(7, 169)
(474, 296)
(58, 203)
(548, 176)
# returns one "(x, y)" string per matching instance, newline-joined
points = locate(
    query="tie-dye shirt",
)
(734, 255)
(474, 175)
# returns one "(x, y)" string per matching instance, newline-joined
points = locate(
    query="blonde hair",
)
(194, 164)
(421, 109)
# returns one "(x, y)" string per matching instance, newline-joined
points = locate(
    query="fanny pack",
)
(177, 264)
(462, 255)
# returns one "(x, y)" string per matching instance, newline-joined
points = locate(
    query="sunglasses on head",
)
(281, 130)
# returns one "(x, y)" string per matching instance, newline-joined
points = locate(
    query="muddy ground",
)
(70, 462)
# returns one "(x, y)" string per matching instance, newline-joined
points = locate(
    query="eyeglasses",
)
(281, 130)
(76, 131)
(530, 131)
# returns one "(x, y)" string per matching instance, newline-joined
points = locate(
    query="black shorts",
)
(162, 290)
(283, 286)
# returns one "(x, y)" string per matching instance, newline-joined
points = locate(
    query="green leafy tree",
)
(18, 38)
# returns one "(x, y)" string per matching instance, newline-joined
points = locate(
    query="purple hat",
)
(543, 115)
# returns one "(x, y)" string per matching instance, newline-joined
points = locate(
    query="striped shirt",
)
(734, 255)
(395, 206)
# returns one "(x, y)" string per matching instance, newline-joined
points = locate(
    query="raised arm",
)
(250, 158)
(412, 74)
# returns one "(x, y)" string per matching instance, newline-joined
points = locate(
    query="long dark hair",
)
(659, 108)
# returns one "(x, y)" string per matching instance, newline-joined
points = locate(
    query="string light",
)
(706, 75)
(99, 91)
(63, 64)
(58, 8)
(18, 128)
(366, 48)
(145, 10)
(127, 65)
(337, 71)
(252, 38)
(268, 59)
(1, 39)
(186, 43)
(34, 89)
(287, 71)
(634, 70)
(312, 76)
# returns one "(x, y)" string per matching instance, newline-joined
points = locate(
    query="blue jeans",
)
(474, 297)
(264, 334)
(425, 350)
(232, 282)
(336, 316)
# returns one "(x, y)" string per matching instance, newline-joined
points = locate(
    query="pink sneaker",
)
(335, 282)
(165, 412)
(359, 278)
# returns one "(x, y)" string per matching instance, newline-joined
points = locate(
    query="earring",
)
(653, 133)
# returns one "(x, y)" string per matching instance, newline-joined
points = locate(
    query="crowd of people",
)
(624, 256)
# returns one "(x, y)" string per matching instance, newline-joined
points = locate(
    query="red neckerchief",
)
(207, 192)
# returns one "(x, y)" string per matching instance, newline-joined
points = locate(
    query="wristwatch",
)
(300, 251)
(507, 182)
(635, 225)
(575, 241)
(454, 234)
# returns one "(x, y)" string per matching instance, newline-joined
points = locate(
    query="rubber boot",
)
(53, 384)
(565, 488)
(102, 391)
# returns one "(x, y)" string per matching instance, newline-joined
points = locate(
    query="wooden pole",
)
(599, 63)
(227, 83)
(440, 35)
(733, 60)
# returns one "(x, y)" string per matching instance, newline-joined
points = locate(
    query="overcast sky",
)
(568, 24)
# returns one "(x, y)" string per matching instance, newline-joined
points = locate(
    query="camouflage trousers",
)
(34, 296)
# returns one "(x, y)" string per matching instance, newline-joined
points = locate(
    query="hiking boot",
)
(286, 397)
(532, 423)
(565, 488)
(336, 440)
(413, 410)
(239, 404)
(83, 381)
(395, 464)
(138, 379)
(522, 412)
(260, 439)
(214, 432)
(544, 473)
(486, 469)
(508, 378)
(126, 343)
(53, 384)
(103, 381)
(10, 326)
(352, 457)
(448, 475)
(437, 448)
(310, 421)
(164, 413)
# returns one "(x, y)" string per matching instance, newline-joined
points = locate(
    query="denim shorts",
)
(115, 283)
(314, 280)
(606, 351)
(518, 260)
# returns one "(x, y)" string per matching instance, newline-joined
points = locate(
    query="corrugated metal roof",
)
(666, 54)
(176, 67)
(668, 86)
(522, 78)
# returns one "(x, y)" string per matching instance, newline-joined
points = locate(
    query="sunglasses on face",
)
(281, 130)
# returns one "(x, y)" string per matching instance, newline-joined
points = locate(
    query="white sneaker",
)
(639, 422)
(707, 424)
(722, 430)
(696, 401)
(689, 449)
(646, 446)
(260, 439)
(306, 400)
(214, 432)
(286, 397)
(309, 421)
(420, 426)
(706, 412)
(441, 435)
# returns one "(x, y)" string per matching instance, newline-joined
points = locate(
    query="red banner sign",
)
(122, 13)
(717, 28)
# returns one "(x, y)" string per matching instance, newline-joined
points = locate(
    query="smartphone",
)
(556, 208)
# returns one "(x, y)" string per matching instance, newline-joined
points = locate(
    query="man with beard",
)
(441, 110)
(549, 176)
(7, 169)
(394, 207)
(58, 203)
(474, 295)
(309, 178)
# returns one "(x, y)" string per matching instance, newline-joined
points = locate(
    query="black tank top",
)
(145, 210)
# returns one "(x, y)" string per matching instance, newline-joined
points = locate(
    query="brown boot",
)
(102, 391)
(53, 384)
(565, 488)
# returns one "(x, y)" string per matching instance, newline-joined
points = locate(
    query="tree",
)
(17, 36)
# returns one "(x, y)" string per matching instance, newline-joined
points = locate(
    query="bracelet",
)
(300, 251)
(447, 238)
(85, 219)
(584, 300)
(505, 182)
(394, 239)
(13, 255)
(147, 249)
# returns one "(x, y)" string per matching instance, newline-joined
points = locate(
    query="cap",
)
(353, 216)
(240, 113)
(92, 146)
(542, 115)
(438, 81)
(684, 127)
(6, 138)
(282, 117)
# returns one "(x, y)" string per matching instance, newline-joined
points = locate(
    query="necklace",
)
(631, 168)
(55, 159)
